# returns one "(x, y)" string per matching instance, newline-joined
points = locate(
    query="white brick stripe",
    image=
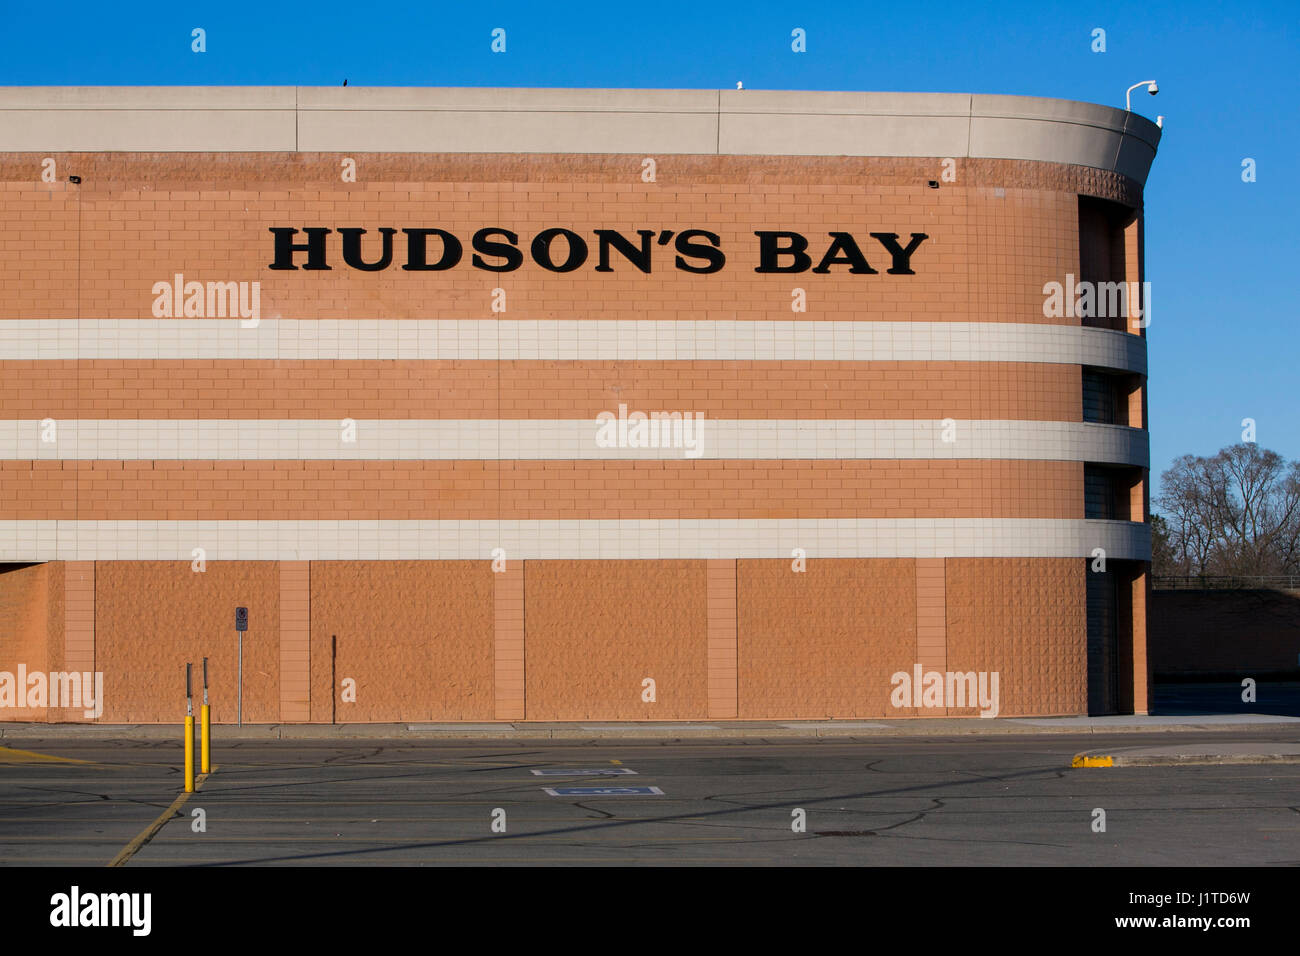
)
(605, 539)
(565, 439)
(594, 340)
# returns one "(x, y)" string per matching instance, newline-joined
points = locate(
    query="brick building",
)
(499, 404)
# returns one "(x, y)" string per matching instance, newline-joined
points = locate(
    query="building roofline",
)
(600, 121)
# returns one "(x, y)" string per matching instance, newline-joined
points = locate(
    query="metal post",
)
(334, 686)
(205, 729)
(239, 711)
(189, 732)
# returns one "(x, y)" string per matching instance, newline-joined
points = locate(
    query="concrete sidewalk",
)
(669, 730)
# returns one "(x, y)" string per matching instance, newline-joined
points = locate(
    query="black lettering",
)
(541, 250)
(285, 247)
(638, 257)
(417, 252)
(852, 256)
(769, 252)
(698, 250)
(902, 257)
(482, 243)
(352, 250)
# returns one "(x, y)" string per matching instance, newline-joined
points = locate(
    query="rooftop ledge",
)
(650, 122)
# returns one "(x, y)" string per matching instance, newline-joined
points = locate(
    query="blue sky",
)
(1221, 254)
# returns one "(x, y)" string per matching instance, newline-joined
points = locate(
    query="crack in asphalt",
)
(80, 793)
(734, 801)
(355, 757)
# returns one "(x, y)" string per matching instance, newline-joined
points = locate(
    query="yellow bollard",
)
(205, 749)
(205, 725)
(189, 733)
(189, 753)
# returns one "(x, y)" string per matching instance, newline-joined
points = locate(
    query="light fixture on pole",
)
(1128, 94)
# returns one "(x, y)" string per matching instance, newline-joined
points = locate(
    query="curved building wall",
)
(415, 454)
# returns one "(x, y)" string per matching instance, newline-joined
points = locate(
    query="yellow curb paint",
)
(148, 833)
(9, 755)
(617, 763)
(1083, 760)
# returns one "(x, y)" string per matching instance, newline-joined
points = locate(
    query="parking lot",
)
(897, 801)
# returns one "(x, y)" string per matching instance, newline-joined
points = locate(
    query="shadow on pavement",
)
(1279, 698)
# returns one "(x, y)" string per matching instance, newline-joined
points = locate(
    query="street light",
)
(1128, 94)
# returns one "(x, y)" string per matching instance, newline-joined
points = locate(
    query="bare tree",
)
(1236, 513)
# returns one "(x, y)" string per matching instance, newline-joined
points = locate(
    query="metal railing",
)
(1225, 582)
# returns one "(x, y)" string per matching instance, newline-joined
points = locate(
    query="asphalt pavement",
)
(990, 799)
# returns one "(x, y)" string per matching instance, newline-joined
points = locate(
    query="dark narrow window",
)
(1101, 258)
(1103, 642)
(1100, 398)
(1098, 492)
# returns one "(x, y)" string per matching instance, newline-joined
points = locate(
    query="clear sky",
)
(1221, 253)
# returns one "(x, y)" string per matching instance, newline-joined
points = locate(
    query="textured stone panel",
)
(824, 642)
(151, 617)
(416, 636)
(596, 629)
(1026, 619)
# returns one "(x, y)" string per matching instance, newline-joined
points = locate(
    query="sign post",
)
(241, 625)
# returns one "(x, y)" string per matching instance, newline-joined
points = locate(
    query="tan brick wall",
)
(360, 389)
(144, 217)
(295, 640)
(359, 490)
(931, 621)
(508, 641)
(1140, 663)
(453, 641)
(79, 628)
(723, 672)
(550, 639)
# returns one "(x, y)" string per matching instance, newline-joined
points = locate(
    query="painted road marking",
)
(604, 791)
(10, 755)
(149, 832)
(599, 772)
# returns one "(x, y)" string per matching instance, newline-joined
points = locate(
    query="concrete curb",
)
(737, 730)
(1191, 755)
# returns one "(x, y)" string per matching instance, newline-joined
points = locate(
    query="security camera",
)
(1128, 94)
